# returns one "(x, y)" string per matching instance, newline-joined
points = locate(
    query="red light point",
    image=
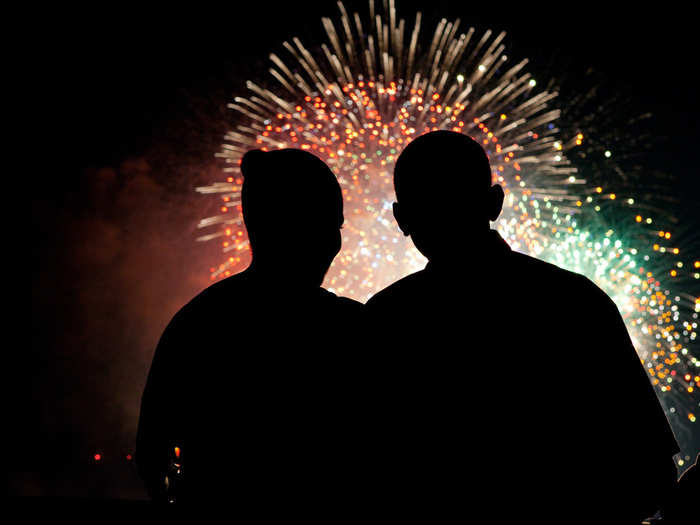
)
(97, 457)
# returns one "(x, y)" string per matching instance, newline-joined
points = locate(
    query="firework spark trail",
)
(373, 89)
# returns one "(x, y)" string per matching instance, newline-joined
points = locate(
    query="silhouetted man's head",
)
(444, 194)
(293, 211)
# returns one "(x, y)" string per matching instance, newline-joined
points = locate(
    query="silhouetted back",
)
(252, 379)
(514, 390)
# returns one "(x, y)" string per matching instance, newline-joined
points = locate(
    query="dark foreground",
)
(128, 512)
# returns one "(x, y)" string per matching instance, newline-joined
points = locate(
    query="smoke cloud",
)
(117, 260)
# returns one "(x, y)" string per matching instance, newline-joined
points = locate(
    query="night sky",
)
(134, 101)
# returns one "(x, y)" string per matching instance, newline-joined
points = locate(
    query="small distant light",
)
(482, 68)
(608, 154)
(532, 83)
(97, 457)
(460, 78)
(129, 457)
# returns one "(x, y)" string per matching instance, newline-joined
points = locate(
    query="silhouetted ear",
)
(495, 202)
(400, 219)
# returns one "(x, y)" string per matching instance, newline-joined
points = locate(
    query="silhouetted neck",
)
(272, 275)
(481, 250)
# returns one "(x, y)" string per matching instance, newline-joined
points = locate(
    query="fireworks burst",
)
(374, 87)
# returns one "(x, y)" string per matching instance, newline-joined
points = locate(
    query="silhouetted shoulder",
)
(241, 294)
(340, 302)
(514, 270)
(202, 311)
(573, 291)
(347, 302)
(222, 291)
(215, 293)
(542, 273)
(598, 324)
(402, 290)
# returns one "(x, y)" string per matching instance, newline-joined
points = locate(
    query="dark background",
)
(133, 101)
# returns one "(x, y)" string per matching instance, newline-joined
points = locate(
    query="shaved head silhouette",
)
(452, 154)
(444, 193)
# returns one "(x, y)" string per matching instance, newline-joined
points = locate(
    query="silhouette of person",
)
(251, 380)
(502, 377)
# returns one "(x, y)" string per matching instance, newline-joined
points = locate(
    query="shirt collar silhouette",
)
(491, 249)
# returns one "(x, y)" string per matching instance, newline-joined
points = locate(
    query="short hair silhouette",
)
(459, 154)
(292, 208)
(443, 187)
